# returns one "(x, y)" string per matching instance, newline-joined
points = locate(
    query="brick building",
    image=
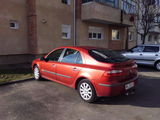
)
(30, 28)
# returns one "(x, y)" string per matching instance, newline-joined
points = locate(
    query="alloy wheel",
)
(36, 73)
(158, 65)
(85, 91)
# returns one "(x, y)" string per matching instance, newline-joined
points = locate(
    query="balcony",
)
(155, 30)
(105, 11)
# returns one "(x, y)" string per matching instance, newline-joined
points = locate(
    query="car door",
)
(49, 67)
(149, 55)
(69, 67)
(135, 53)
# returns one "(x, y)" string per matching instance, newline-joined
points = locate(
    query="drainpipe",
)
(74, 24)
(126, 45)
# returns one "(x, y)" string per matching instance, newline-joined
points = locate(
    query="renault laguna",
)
(93, 72)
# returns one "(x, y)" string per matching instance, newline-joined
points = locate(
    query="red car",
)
(94, 72)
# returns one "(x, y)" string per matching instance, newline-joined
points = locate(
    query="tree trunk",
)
(143, 39)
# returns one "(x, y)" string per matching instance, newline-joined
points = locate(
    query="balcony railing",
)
(128, 6)
(113, 3)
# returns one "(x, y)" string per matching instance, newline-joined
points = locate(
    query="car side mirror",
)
(44, 59)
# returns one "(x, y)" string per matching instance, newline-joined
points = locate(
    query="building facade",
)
(30, 28)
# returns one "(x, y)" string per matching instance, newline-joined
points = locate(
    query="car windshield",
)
(107, 56)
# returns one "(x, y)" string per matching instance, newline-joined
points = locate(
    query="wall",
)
(13, 41)
(132, 43)
(54, 13)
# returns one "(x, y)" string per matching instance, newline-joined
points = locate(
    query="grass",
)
(15, 74)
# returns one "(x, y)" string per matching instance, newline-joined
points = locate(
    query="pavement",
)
(46, 100)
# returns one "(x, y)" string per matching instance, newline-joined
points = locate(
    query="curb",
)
(16, 81)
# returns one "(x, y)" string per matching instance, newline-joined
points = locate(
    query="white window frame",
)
(130, 35)
(16, 24)
(66, 29)
(118, 31)
(95, 31)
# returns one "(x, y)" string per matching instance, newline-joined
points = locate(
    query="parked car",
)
(145, 54)
(94, 72)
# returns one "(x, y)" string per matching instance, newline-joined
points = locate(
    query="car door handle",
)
(156, 54)
(141, 54)
(75, 69)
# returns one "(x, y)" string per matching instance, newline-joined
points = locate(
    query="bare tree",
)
(146, 14)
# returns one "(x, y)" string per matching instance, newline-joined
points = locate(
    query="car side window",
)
(137, 49)
(55, 55)
(71, 56)
(79, 59)
(151, 49)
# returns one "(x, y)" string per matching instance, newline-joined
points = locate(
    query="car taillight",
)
(113, 72)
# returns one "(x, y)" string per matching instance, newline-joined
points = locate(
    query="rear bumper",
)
(114, 89)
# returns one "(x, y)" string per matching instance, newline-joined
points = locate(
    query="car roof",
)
(150, 45)
(81, 47)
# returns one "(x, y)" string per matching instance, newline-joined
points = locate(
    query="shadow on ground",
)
(147, 92)
(16, 71)
(144, 68)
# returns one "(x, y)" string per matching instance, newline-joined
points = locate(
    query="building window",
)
(95, 33)
(129, 6)
(157, 2)
(14, 24)
(68, 2)
(130, 36)
(157, 19)
(66, 31)
(86, 1)
(115, 34)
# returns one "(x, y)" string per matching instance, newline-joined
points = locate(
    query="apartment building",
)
(30, 28)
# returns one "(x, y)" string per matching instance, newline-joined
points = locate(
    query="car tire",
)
(86, 91)
(36, 72)
(157, 65)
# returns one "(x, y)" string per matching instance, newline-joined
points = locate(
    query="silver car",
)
(145, 54)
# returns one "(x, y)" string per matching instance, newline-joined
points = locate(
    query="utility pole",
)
(74, 23)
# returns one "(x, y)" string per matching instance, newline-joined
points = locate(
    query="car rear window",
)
(107, 56)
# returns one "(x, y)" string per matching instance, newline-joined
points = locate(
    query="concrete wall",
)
(97, 11)
(105, 13)
(55, 14)
(13, 41)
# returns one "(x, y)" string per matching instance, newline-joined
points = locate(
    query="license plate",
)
(129, 85)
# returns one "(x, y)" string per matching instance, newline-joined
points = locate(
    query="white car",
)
(145, 54)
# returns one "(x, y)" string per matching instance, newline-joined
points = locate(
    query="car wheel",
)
(86, 91)
(37, 75)
(157, 65)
